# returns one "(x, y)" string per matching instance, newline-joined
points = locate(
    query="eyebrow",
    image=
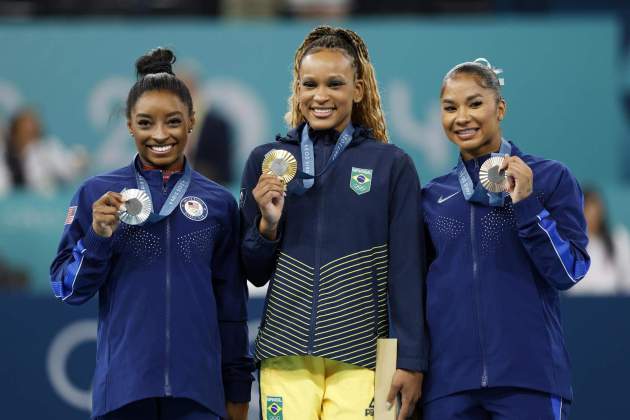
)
(170, 114)
(471, 97)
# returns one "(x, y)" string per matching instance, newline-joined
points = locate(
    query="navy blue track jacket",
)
(172, 301)
(493, 280)
(348, 253)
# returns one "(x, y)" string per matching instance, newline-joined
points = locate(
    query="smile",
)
(161, 149)
(322, 112)
(466, 133)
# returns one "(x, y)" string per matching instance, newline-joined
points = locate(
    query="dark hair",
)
(155, 72)
(592, 194)
(484, 72)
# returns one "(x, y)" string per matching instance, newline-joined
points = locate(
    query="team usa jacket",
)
(493, 279)
(348, 253)
(172, 317)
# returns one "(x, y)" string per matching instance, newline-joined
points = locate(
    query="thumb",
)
(391, 396)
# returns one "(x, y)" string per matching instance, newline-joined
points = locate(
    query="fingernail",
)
(388, 405)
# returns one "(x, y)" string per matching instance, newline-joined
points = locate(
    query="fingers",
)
(105, 213)
(267, 184)
(406, 408)
(394, 389)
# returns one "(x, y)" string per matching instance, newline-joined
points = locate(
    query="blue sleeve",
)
(230, 290)
(83, 258)
(554, 232)
(258, 253)
(406, 268)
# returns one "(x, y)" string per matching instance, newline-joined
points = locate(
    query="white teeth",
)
(161, 149)
(466, 132)
(322, 112)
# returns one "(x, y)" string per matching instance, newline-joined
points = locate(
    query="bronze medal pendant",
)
(280, 163)
(491, 177)
(136, 208)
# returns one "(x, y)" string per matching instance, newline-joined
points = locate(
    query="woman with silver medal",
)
(172, 342)
(505, 233)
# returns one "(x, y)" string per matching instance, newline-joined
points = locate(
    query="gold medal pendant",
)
(280, 163)
(491, 177)
(136, 208)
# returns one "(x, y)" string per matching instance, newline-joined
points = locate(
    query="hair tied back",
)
(484, 62)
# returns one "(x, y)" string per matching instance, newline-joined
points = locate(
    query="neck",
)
(176, 166)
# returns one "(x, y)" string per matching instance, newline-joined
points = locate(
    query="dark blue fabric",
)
(161, 409)
(504, 403)
(492, 284)
(172, 298)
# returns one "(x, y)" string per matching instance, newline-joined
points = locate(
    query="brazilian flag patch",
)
(274, 408)
(361, 180)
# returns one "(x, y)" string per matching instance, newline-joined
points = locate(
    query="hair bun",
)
(159, 60)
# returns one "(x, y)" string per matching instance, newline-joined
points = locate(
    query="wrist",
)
(268, 230)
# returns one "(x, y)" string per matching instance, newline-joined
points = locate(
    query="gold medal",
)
(136, 207)
(491, 176)
(280, 163)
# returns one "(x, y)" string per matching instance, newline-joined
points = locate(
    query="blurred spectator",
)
(37, 163)
(5, 177)
(609, 250)
(210, 147)
(12, 278)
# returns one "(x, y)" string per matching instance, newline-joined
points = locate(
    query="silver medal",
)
(491, 177)
(136, 208)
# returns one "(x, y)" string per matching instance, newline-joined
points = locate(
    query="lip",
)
(161, 149)
(322, 112)
(466, 133)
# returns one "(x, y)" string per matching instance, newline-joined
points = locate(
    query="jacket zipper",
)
(318, 237)
(477, 286)
(167, 370)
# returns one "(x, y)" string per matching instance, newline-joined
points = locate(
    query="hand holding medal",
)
(105, 212)
(519, 176)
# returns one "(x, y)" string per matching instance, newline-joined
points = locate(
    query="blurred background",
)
(67, 65)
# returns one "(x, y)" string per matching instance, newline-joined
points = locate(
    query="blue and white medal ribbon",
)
(478, 194)
(173, 199)
(308, 154)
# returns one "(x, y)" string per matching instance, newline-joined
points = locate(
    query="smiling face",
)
(328, 89)
(159, 123)
(471, 116)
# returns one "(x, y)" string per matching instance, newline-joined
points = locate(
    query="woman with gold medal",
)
(331, 224)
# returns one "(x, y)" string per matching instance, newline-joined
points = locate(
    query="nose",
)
(462, 117)
(160, 133)
(321, 94)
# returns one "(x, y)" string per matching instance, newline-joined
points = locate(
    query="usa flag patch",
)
(70, 216)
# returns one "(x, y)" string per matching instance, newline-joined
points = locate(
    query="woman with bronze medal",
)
(159, 243)
(330, 215)
(505, 232)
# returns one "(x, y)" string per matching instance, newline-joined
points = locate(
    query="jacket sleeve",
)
(258, 253)
(554, 233)
(83, 258)
(406, 267)
(230, 288)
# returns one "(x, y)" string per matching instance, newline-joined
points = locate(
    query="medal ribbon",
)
(173, 199)
(479, 194)
(308, 154)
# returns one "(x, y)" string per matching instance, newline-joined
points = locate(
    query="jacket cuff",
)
(526, 210)
(238, 391)
(97, 245)
(260, 239)
(416, 364)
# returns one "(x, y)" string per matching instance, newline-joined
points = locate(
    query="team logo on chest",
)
(360, 180)
(194, 208)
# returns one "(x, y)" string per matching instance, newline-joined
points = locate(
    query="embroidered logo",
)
(361, 180)
(369, 412)
(443, 199)
(194, 208)
(274, 408)
(70, 215)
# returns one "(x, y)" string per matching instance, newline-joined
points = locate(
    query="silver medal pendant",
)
(136, 208)
(491, 176)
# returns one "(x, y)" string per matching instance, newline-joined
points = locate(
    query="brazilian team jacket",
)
(348, 253)
(493, 279)
(172, 317)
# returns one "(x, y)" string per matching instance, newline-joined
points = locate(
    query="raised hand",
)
(105, 214)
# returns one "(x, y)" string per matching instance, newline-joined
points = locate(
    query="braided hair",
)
(368, 112)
